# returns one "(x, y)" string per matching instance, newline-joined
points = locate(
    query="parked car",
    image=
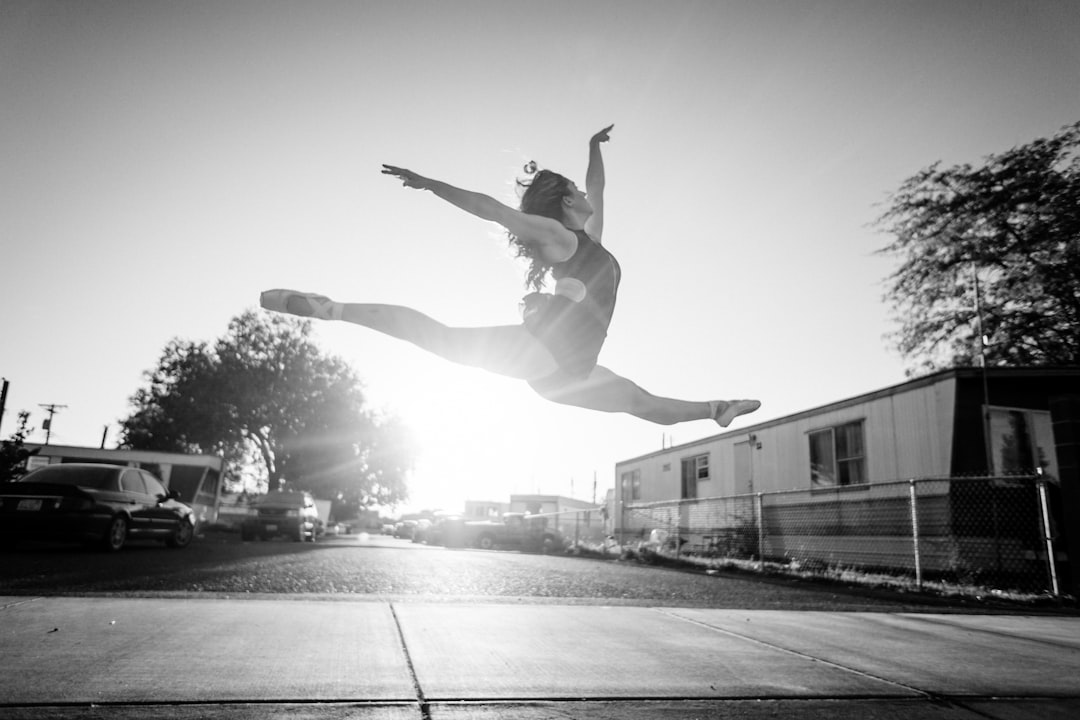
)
(443, 530)
(420, 530)
(404, 529)
(292, 514)
(520, 530)
(103, 504)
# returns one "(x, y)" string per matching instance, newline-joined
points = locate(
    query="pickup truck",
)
(517, 530)
(293, 514)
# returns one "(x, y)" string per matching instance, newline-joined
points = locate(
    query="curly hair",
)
(543, 194)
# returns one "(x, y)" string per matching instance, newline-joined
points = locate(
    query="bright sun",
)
(479, 435)
(471, 427)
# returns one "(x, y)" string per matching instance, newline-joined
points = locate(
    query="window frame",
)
(149, 478)
(631, 480)
(1042, 459)
(137, 479)
(841, 465)
(699, 473)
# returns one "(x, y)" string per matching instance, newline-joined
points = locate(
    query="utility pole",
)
(52, 409)
(987, 442)
(3, 398)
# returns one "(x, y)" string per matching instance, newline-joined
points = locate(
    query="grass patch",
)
(818, 571)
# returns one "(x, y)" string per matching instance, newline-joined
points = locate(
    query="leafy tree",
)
(176, 413)
(265, 396)
(13, 453)
(1011, 226)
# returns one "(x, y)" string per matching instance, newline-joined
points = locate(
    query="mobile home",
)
(853, 457)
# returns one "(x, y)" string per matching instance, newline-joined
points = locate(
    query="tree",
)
(177, 412)
(13, 452)
(264, 395)
(996, 245)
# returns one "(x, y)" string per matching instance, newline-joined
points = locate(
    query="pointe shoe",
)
(302, 304)
(726, 411)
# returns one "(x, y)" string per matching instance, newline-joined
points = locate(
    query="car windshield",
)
(291, 500)
(91, 477)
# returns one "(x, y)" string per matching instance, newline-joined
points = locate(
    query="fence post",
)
(1044, 511)
(915, 533)
(760, 531)
(676, 526)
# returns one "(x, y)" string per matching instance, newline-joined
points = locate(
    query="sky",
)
(162, 163)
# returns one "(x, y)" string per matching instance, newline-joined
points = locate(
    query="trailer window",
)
(694, 470)
(631, 485)
(1022, 441)
(838, 456)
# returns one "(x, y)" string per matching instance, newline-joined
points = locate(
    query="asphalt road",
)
(384, 567)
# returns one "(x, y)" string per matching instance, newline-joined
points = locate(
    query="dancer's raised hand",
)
(602, 136)
(408, 178)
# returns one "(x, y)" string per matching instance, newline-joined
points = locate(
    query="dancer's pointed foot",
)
(301, 303)
(724, 411)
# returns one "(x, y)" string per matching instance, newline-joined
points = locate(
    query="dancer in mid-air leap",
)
(555, 349)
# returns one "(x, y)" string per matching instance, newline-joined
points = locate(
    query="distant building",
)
(546, 504)
(483, 509)
(569, 516)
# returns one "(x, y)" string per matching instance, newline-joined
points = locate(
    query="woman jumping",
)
(555, 349)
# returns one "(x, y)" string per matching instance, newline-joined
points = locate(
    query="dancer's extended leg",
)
(605, 391)
(507, 350)
(512, 351)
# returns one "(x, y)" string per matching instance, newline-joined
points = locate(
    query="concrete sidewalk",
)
(63, 657)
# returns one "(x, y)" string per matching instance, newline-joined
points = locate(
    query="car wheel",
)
(485, 542)
(183, 535)
(247, 535)
(116, 535)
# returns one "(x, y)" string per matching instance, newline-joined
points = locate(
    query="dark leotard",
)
(573, 331)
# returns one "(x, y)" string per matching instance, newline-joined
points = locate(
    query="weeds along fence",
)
(995, 532)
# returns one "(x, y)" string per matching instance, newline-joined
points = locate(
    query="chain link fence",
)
(983, 532)
(580, 527)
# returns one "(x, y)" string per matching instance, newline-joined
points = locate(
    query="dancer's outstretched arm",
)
(554, 241)
(594, 184)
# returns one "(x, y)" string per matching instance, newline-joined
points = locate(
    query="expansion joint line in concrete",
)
(796, 653)
(425, 710)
